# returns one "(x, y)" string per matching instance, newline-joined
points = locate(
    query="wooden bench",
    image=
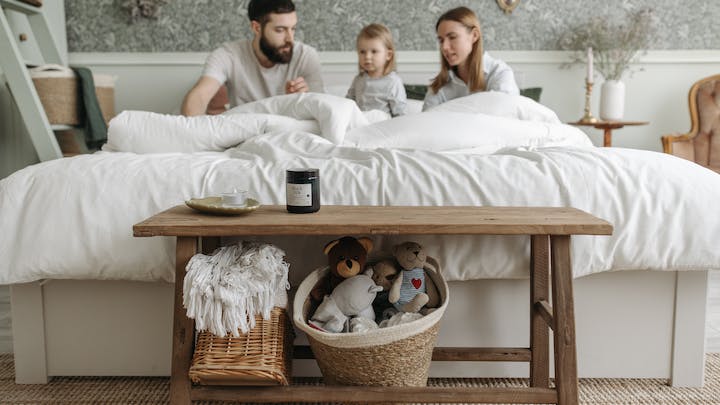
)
(550, 273)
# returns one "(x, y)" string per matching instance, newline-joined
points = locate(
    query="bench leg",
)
(539, 291)
(183, 327)
(564, 319)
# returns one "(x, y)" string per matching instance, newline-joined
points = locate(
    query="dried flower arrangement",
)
(614, 44)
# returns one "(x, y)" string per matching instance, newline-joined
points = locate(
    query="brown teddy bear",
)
(346, 258)
(413, 289)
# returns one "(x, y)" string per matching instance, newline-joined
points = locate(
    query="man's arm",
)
(296, 85)
(198, 98)
(312, 72)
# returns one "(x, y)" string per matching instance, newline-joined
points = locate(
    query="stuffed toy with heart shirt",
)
(413, 290)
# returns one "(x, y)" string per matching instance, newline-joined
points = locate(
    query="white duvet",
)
(72, 218)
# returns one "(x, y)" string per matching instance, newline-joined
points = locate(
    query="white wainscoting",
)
(657, 93)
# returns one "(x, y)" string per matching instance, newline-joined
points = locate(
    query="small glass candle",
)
(303, 190)
(238, 198)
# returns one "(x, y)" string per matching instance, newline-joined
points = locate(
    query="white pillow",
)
(335, 115)
(453, 131)
(501, 105)
(413, 106)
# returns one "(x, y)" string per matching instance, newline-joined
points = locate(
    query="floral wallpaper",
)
(331, 25)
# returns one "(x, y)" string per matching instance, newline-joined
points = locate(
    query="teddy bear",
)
(413, 289)
(346, 258)
(384, 274)
(351, 298)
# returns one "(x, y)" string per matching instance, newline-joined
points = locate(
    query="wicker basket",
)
(263, 356)
(395, 356)
(58, 92)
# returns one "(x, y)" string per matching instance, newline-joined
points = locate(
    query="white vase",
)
(612, 100)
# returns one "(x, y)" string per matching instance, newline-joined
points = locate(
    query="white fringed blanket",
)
(224, 291)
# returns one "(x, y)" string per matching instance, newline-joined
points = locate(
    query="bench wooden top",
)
(363, 220)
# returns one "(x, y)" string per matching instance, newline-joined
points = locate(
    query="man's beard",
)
(273, 53)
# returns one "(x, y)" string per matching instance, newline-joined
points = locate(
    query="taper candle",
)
(590, 65)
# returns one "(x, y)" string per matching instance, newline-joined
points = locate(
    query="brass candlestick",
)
(588, 118)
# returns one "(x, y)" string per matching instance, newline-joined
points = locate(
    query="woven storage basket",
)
(263, 356)
(57, 88)
(395, 356)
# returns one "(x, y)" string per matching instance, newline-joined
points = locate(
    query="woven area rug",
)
(154, 390)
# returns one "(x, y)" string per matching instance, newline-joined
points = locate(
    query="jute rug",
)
(154, 390)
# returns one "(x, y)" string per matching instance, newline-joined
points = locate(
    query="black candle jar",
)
(302, 190)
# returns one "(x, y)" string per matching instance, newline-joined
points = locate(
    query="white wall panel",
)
(657, 93)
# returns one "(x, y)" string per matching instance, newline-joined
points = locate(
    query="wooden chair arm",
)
(684, 147)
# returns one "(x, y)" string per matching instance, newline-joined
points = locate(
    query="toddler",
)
(377, 86)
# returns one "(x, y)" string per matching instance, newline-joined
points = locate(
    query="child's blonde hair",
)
(381, 32)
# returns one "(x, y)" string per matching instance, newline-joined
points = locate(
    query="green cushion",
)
(532, 92)
(417, 92)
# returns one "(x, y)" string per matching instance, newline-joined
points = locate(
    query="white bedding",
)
(72, 218)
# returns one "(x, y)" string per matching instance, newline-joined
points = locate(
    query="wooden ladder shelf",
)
(18, 78)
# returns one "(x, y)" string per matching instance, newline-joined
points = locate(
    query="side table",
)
(549, 230)
(607, 127)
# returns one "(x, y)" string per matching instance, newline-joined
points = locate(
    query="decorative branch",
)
(143, 8)
(615, 45)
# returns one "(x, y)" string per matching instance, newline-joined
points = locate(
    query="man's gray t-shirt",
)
(235, 65)
(384, 93)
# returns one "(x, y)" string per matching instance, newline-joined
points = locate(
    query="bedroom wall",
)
(331, 25)
(658, 94)
(157, 60)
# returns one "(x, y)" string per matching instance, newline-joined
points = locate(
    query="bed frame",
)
(630, 324)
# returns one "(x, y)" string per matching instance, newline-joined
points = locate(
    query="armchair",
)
(702, 143)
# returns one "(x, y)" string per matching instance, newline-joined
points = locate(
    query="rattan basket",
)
(395, 356)
(57, 88)
(263, 356)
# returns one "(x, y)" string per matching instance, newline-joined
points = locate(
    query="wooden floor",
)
(712, 334)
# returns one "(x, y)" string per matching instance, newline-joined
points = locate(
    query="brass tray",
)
(214, 205)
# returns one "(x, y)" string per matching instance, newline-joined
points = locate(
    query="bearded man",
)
(270, 64)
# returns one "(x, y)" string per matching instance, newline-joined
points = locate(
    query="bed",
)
(89, 299)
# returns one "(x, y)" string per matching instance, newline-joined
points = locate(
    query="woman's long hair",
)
(476, 77)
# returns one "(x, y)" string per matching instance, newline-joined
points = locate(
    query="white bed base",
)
(637, 324)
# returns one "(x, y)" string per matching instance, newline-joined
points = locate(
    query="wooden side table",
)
(550, 271)
(607, 127)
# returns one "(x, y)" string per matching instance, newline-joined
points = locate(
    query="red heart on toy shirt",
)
(416, 282)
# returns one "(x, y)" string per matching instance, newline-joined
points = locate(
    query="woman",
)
(465, 69)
